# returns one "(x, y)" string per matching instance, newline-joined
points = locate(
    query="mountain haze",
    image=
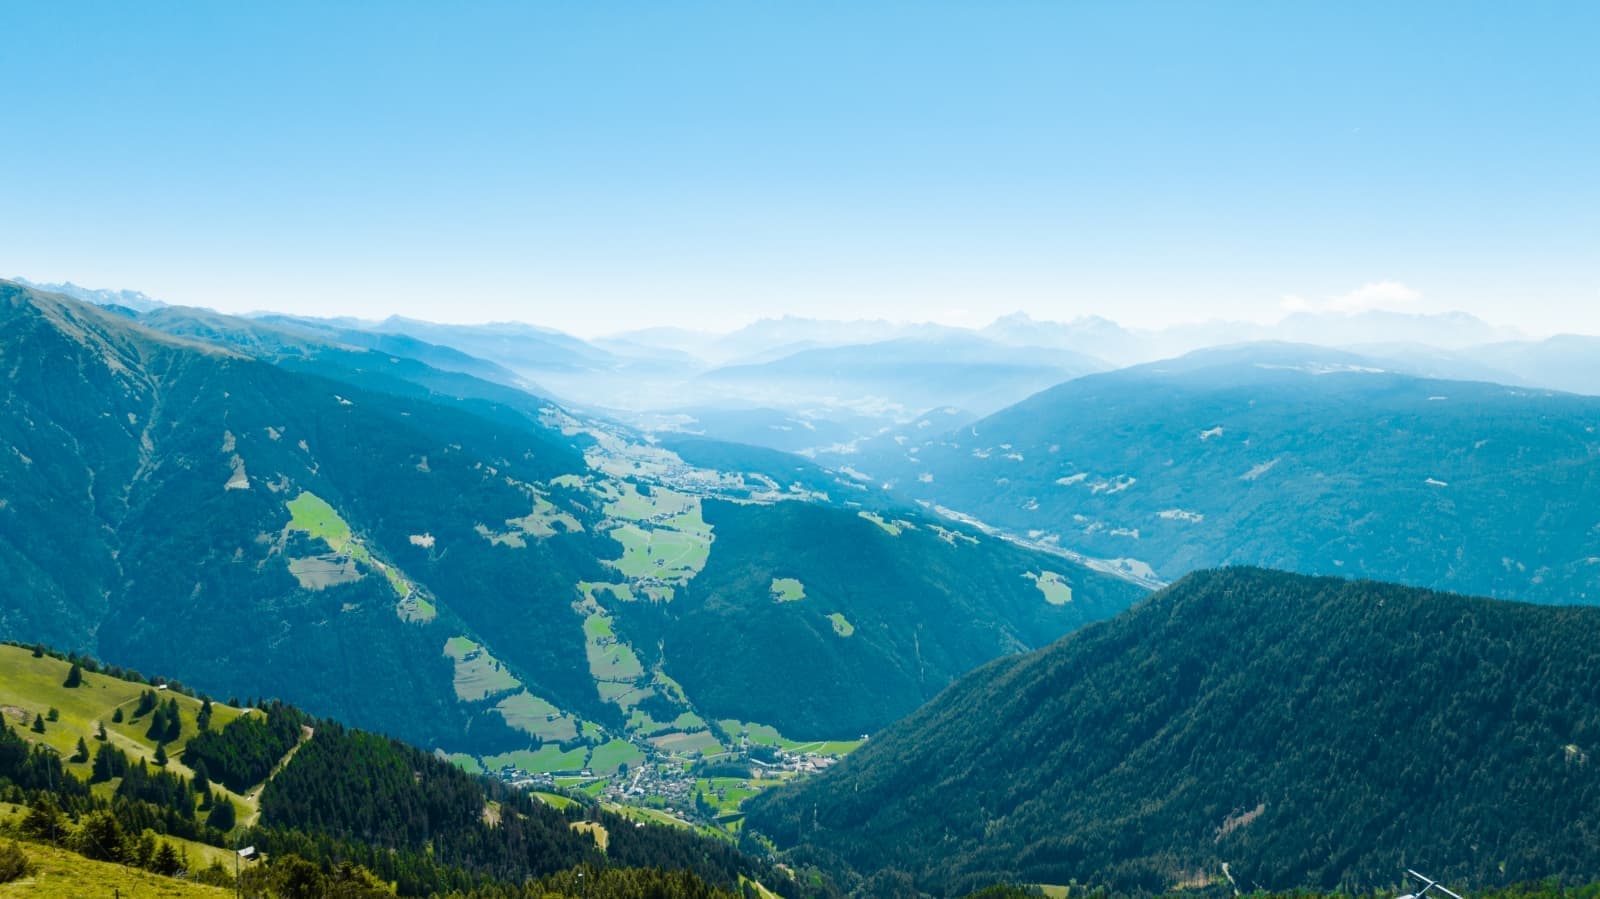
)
(1285, 455)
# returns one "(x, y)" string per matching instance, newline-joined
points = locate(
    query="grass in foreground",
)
(67, 875)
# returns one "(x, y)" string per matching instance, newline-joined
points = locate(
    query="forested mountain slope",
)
(1283, 730)
(1289, 456)
(458, 562)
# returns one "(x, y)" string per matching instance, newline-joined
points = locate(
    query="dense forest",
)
(1306, 732)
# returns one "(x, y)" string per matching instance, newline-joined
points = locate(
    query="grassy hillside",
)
(327, 794)
(31, 686)
(63, 874)
(1279, 730)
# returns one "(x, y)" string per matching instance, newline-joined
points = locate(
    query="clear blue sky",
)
(598, 166)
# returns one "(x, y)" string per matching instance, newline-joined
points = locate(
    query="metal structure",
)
(1429, 884)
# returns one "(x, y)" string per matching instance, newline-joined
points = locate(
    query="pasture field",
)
(766, 735)
(592, 590)
(682, 744)
(68, 875)
(627, 502)
(670, 555)
(533, 715)
(726, 793)
(841, 625)
(1057, 592)
(553, 800)
(548, 758)
(465, 762)
(312, 515)
(787, 589)
(478, 674)
(609, 658)
(32, 686)
(608, 756)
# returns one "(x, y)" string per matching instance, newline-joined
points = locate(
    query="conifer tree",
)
(174, 728)
(223, 815)
(167, 861)
(100, 837)
(82, 755)
(161, 755)
(103, 769)
(74, 677)
(116, 715)
(38, 724)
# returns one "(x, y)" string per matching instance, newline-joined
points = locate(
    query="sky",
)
(597, 167)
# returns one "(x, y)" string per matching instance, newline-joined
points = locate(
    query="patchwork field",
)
(532, 715)
(1056, 591)
(478, 674)
(787, 589)
(311, 515)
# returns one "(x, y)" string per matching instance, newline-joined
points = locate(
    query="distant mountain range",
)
(127, 299)
(1286, 455)
(1242, 730)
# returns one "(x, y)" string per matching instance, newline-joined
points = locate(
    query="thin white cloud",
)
(1369, 296)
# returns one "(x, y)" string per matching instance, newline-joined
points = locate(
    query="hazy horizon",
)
(595, 170)
(1284, 315)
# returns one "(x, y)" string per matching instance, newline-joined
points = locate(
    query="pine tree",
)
(100, 837)
(53, 715)
(174, 728)
(103, 769)
(223, 815)
(82, 755)
(158, 725)
(116, 715)
(43, 821)
(38, 724)
(38, 650)
(202, 783)
(203, 720)
(161, 755)
(100, 731)
(167, 861)
(143, 850)
(74, 677)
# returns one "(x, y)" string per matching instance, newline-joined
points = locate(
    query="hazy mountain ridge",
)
(1308, 459)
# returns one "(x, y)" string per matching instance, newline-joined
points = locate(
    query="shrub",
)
(14, 863)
